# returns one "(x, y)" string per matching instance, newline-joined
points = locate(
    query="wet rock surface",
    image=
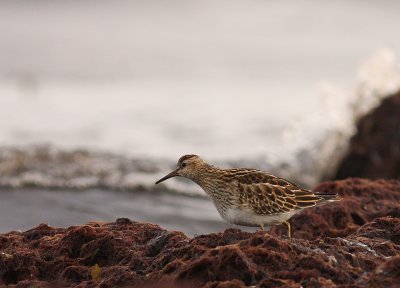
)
(351, 243)
(374, 151)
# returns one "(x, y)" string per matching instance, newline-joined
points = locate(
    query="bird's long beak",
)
(170, 175)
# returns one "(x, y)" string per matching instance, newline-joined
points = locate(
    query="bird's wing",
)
(268, 194)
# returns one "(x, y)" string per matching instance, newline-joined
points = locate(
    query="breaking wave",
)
(313, 146)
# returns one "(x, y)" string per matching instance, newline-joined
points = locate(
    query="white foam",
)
(321, 138)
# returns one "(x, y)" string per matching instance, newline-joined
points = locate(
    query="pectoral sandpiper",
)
(248, 197)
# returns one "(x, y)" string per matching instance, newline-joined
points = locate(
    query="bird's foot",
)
(289, 232)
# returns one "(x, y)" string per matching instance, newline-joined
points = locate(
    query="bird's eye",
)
(183, 164)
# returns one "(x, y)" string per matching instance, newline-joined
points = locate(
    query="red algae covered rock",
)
(351, 243)
(363, 200)
(374, 151)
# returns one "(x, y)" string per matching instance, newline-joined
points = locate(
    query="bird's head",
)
(188, 166)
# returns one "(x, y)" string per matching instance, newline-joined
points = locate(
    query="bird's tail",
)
(330, 197)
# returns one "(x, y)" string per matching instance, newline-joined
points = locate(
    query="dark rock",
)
(351, 243)
(374, 151)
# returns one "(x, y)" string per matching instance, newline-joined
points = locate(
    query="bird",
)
(249, 197)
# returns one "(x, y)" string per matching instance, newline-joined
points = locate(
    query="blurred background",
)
(98, 99)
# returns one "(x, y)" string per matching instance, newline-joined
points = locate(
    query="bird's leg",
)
(288, 229)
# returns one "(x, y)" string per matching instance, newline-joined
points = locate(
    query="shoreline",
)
(64, 207)
(351, 242)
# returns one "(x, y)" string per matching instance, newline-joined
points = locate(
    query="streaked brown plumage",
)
(248, 197)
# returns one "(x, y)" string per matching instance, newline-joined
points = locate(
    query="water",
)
(160, 80)
(233, 126)
(24, 209)
(276, 85)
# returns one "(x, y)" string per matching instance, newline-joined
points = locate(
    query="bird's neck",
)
(214, 182)
(209, 177)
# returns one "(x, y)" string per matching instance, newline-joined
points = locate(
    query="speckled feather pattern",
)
(258, 193)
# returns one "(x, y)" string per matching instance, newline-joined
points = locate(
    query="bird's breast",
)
(247, 217)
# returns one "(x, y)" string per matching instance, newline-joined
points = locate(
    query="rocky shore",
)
(351, 243)
(374, 152)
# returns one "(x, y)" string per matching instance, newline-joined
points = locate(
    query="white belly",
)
(249, 218)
